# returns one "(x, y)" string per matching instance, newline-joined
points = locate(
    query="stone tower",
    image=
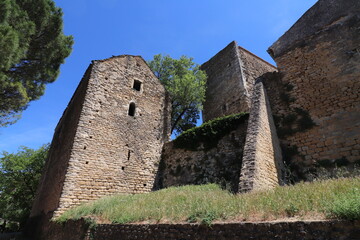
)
(231, 77)
(110, 137)
(319, 62)
(235, 85)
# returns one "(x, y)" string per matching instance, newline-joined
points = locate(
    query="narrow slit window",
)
(137, 85)
(131, 109)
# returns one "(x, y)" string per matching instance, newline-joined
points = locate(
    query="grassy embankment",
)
(329, 199)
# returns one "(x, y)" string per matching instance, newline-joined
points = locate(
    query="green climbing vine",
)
(209, 133)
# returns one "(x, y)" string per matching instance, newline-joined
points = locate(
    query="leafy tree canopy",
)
(19, 177)
(32, 47)
(186, 84)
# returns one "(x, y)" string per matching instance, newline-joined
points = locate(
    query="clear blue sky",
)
(102, 28)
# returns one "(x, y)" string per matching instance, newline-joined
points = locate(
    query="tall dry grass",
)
(338, 198)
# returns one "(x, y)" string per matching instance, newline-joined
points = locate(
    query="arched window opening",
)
(131, 109)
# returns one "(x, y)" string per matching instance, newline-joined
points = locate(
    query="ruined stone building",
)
(109, 138)
(113, 136)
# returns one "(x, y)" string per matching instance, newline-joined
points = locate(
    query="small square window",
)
(137, 85)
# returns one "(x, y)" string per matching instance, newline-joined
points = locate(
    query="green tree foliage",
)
(19, 176)
(32, 47)
(186, 84)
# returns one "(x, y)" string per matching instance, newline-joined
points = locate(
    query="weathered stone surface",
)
(105, 150)
(231, 76)
(110, 137)
(220, 164)
(50, 230)
(323, 15)
(304, 230)
(252, 68)
(319, 58)
(262, 161)
(52, 181)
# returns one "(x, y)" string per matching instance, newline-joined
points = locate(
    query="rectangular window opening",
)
(137, 85)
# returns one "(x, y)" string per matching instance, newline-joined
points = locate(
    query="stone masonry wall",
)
(335, 230)
(231, 76)
(253, 67)
(115, 152)
(305, 230)
(226, 91)
(110, 137)
(262, 162)
(319, 62)
(51, 183)
(220, 164)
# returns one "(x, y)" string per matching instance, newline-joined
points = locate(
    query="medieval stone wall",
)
(114, 139)
(111, 136)
(305, 230)
(113, 151)
(319, 63)
(262, 162)
(331, 230)
(231, 76)
(51, 183)
(226, 91)
(220, 164)
(252, 68)
(109, 139)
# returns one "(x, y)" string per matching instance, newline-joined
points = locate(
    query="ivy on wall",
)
(210, 132)
(294, 121)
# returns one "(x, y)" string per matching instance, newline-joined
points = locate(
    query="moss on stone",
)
(209, 133)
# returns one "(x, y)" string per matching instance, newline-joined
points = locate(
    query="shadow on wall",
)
(211, 153)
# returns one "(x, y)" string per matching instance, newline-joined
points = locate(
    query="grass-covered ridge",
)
(209, 132)
(339, 199)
